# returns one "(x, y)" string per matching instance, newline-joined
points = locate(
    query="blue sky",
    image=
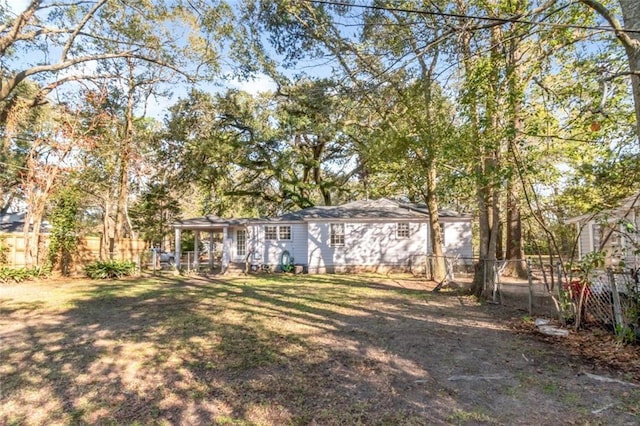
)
(157, 108)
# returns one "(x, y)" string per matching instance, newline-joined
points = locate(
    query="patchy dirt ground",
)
(275, 350)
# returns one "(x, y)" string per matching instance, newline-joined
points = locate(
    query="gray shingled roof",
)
(366, 209)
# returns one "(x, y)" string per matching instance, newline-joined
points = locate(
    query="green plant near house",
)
(110, 269)
(12, 274)
(22, 274)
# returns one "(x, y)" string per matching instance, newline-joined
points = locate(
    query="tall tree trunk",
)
(438, 271)
(515, 244)
(39, 185)
(122, 226)
(488, 157)
(474, 129)
(500, 241)
(515, 83)
(630, 41)
(631, 18)
(427, 155)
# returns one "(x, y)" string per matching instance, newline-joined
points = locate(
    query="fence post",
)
(617, 307)
(530, 279)
(496, 283)
(483, 262)
(560, 294)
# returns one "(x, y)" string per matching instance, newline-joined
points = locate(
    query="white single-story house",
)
(374, 235)
(615, 231)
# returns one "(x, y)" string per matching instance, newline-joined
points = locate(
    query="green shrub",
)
(40, 271)
(113, 269)
(21, 274)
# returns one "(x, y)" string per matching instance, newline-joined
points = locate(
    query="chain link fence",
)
(606, 298)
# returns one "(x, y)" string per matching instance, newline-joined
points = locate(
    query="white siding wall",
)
(627, 241)
(457, 240)
(585, 240)
(268, 252)
(586, 243)
(366, 244)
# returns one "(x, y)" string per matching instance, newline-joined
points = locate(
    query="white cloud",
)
(262, 83)
(18, 6)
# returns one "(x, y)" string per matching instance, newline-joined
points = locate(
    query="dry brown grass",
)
(273, 350)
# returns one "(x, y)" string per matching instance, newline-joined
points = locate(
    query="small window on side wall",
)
(402, 230)
(337, 234)
(270, 232)
(284, 232)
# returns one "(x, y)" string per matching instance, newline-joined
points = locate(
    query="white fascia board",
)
(366, 220)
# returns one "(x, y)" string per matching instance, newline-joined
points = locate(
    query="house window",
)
(284, 232)
(402, 230)
(337, 234)
(241, 242)
(270, 233)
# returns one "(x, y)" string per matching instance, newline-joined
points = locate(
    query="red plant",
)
(576, 287)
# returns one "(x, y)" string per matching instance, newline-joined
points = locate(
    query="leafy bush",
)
(40, 271)
(113, 269)
(21, 274)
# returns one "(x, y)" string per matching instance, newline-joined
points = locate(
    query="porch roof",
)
(209, 222)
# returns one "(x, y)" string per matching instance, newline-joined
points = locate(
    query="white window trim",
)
(290, 233)
(407, 230)
(333, 236)
(275, 229)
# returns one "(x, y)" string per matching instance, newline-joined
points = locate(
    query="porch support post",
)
(196, 250)
(225, 249)
(178, 248)
(211, 250)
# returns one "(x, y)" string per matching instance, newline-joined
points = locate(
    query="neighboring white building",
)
(615, 231)
(14, 223)
(376, 235)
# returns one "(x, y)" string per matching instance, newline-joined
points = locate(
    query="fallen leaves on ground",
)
(594, 344)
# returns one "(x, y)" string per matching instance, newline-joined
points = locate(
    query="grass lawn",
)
(275, 349)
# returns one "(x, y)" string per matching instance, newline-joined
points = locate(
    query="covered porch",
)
(219, 237)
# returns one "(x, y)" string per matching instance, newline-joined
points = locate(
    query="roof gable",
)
(624, 207)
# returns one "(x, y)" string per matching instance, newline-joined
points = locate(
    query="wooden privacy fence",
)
(89, 249)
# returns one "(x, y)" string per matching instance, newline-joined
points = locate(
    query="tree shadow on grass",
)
(198, 351)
